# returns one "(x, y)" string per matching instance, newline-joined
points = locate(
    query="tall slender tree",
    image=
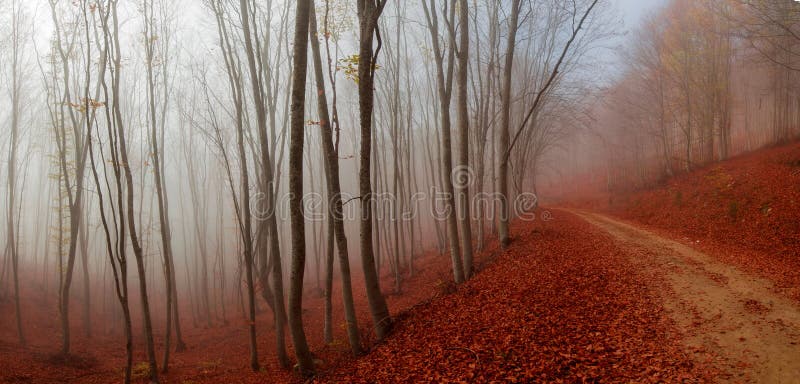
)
(153, 34)
(114, 229)
(369, 12)
(334, 190)
(505, 125)
(72, 181)
(300, 63)
(124, 159)
(444, 85)
(464, 178)
(16, 45)
(242, 202)
(267, 186)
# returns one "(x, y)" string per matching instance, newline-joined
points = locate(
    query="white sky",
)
(633, 10)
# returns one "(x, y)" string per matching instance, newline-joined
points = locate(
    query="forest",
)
(214, 191)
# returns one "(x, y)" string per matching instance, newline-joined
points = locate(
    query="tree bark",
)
(267, 188)
(335, 210)
(444, 82)
(12, 164)
(368, 14)
(129, 209)
(505, 123)
(464, 177)
(305, 362)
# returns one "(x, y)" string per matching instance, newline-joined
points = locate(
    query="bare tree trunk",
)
(397, 182)
(75, 198)
(87, 298)
(199, 209)
(368, 14)
(432, 176)
(155, 153)
(137, 247)
(505, 123)
(267, 187)
(13, 244)
(327, 326)
(242, 206)
(444, 81)
(117, 260)
(221, 261)
(463, 178)
(305, 362)
(115, 244)
(335, 211)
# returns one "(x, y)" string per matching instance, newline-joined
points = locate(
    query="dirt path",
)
(752, 332)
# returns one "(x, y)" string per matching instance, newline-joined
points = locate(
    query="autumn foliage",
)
(561, 305)
(744, 211)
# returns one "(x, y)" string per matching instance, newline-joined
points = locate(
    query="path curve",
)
(754, 332)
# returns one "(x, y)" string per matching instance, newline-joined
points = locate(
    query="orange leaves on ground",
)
(561, 305)
(745, 211)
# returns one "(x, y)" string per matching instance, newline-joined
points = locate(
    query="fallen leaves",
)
(561, 306)
(745, 211)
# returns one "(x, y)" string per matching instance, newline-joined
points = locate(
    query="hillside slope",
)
(564, 303)
(745, 211)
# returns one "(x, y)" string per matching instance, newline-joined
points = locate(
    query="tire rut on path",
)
(754, 332)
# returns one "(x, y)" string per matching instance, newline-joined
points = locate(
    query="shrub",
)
(140, 370)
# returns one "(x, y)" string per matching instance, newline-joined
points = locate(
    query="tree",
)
(266, 185)
(300, 62)
(369, 13)
(334, 191)
(772, 30)
(73, 186)
(508, 147)
(444, 82)
(17, 40)
(242, 204)
(463, 181)
(151, 36)
(503, 146)
(114, 229)
(200, 205)
(116, 89)
(486, 105)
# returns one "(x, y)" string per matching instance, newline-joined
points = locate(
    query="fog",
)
(149, 143)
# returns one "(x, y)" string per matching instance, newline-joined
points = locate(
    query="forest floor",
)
(565, 302)
(735, 315)
(744, 211)
(698, 281)
(695, 280)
